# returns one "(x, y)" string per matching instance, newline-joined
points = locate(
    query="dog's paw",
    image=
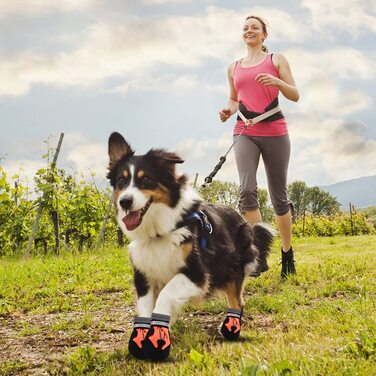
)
(231, 326)
(137, 340)
(157, 343)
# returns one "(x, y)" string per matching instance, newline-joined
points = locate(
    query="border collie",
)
(181, 247)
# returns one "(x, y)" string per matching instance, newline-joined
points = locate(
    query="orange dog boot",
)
(136, 342)
(231, 326)
(157, 343)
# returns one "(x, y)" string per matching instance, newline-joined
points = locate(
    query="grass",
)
(73, 314)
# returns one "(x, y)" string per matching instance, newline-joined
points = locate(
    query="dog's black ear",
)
(118, 148)
(165, 156)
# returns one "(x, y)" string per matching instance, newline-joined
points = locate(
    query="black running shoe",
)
(288, 263)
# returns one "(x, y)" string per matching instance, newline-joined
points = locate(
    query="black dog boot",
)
(136, 342)
(157, 342)
(288, 263)
(230, 328)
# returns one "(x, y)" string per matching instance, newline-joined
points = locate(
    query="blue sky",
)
(155, 70)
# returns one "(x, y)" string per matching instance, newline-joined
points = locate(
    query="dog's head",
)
(140, 181)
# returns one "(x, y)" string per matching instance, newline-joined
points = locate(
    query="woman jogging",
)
(255, 82)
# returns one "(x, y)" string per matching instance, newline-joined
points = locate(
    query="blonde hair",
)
(264, 29)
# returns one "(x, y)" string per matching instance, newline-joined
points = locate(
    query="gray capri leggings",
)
(275, 153)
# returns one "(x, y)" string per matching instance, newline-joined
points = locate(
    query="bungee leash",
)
(247, 123)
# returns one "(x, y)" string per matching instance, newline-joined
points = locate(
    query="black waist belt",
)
(251, 114)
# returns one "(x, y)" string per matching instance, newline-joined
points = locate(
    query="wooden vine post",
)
(40, 209)
(105, 219)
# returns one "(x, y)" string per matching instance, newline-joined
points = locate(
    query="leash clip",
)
(248, 123)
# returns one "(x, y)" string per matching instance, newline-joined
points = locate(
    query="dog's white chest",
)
(158, 259)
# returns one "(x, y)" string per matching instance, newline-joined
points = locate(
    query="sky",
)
(156, 71)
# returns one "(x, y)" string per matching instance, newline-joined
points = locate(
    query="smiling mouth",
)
(134, 218)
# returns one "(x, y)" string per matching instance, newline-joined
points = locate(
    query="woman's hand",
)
(224, 114)
(285, 84)
(267, 79)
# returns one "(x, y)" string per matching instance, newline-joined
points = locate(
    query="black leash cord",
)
(222, 160)
(210, 177)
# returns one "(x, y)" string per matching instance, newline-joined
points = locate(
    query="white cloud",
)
(340, 63)
(327, 99)
(160, 2)
(327, 88)
(353, 17)
(133, 47)
(164, 83)
(25, 169)
(282, 26)
(346, 148)
(41, 7)
(87, 156)
(330, 151)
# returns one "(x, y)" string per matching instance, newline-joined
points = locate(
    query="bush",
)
(331, 225)
(79, 206)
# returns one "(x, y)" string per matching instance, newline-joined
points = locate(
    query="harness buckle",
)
(206, 225)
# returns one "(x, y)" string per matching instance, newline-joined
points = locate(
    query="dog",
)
(181, 247)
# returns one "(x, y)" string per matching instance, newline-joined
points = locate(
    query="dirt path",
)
(40, 343)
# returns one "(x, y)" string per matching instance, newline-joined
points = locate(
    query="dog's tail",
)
(255, 244)
(262, 241)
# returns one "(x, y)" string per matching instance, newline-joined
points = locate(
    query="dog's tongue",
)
(132, 220)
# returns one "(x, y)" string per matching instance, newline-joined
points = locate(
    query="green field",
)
(73, 314)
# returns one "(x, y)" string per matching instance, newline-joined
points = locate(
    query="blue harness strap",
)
(206, 226)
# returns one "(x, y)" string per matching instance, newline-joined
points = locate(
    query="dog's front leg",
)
(178, 291)
(145, 304)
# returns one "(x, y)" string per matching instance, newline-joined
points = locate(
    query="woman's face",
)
(253, 33)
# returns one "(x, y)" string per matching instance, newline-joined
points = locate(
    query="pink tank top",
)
(256, 97)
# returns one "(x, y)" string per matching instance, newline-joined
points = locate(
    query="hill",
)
(360, 192)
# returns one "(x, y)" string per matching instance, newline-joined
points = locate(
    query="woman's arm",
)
(233, 103)
(285, 83)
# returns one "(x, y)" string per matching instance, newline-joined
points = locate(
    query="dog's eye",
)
(121, 180)
(146, 180)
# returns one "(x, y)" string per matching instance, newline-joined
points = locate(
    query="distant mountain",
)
(360, 192)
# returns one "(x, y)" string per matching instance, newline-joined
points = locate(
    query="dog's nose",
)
(126, 202)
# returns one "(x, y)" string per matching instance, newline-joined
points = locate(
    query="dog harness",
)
(206, 227)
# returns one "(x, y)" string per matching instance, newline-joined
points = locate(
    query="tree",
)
(299, 195)
(226, 193)
(267, 213)
(313, 200)
(321, 202)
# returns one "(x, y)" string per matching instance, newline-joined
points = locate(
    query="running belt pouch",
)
(251, 114)
(231, 326)
(157, 342)
(137, 340)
